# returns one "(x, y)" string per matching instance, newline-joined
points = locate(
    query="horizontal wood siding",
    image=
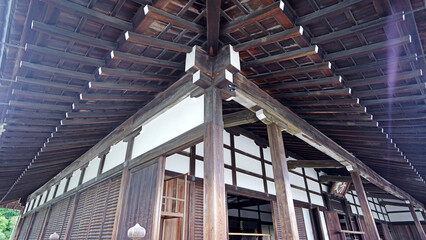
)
(59, 217)
(138, 207)
(95, 212)
(37, 225)
(198, 218)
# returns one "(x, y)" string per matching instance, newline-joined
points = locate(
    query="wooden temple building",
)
(214, 119)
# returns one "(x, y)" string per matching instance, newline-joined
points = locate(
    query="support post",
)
(158, 199)
(417, 223)
(363, 201)
(214, 182)
(285, 203)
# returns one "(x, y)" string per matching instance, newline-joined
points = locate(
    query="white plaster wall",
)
(177, 163)
(308, 224)
(91, 170)
(116, 156)
(247, 145)
(324, 225)
(316, 199)
(248, 164)
(51, 191)
(74, 179)
(179, 119)
(299, 195)
(250, 182)
(61, 187)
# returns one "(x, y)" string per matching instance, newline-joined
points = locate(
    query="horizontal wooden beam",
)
(91, 14)
(29, 128)
(384, 79)
(35, 122)
(98, 114)
(336, 81)
(34, 115)
(43, 96)
(302, 52)
(322, 103)
(250, 18)
(368, 48)
(125, 87)
(104, 106)
(306, 94)
(57, 71)
(384, 203)
(50, 84)
(397, 110)
(250, 95)
(292, 164)
(393, 100)
(128, 57)
(333, 178)
(124, 73)
(326, 12)
(39, 106)
(88, 121)
(81, 59)
(357, 28)
(269, 39)
(239, 118)
(140, 39)
(338, 117)
(174, 20)
(114, 97)
(323, 67)
(330, 110)
(70, 35)
(385, 91)
(346, 123)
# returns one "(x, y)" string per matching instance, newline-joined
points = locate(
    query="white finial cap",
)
(136, 232)
(54, 236)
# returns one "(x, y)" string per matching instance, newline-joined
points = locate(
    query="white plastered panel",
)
(227, 156)
(248, 164)
(179, 119)
(44, 197)
(250, 182)
(177, 163)
(313, 186)
(247, 145)
(316, 199)
(308, 224)
(74, 179)
(310, 172)
(299, 195)
(297, 180)
(271, 188)
(228, 176)
(324, 225)
(61, 187)
(199, 169)
(267, 154)
(116, 156)
(269, 171)
(401, 217)
(91, 170)
(226, 138)
(51, 191)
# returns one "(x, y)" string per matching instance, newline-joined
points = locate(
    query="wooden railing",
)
(254, 235)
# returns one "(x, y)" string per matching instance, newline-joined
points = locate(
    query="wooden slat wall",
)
(58, 219)
(94, 218)
(404, 231)
(276, 219)
(24, 229)
(198, 218)
(333, 225)
(38, 225)
(140, 201)
(300, 224)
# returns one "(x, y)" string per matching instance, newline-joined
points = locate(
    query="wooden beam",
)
(331, 110)
(57, 71)
(239, 118)
(34, 115)
(292, 164)
(166, 17)
(302, 52)
(213, 26)
(305, 94)
(50, 84)
(276, 37)
(365, 206)
(285, 203)
(393, 90)
(70, 35)
(322, 103)
(346, 123)
(98, 114)
(358, 28)
(64, 55)
(114, 97)
(336, 80)
(250, 18)
(39, 106)
(335, 178)
(384, 79)
(91, 14)
(43, 96)
(417, 223)
(103, 106)
(158, 199)
(326, 12)
(125, 87)
(155, 42)
(128, 57)
(88, 121)
(341, 116)
(323, 67)
(124, 73)
(393, 100)
(368, 48)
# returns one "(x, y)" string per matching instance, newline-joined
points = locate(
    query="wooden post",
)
(419, 227)
(158, 199)
(285, 203)
(363, 201)
(214, 182)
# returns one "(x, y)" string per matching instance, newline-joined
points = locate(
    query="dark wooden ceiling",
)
(73, 70)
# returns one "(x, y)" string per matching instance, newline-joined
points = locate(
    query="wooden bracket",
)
(198, 60)
(201, 79)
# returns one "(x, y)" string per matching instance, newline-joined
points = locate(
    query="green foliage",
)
(7, 222)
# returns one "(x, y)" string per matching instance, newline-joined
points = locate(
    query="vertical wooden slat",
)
(282, 183)
(44, 226)
(333, 226)
(386, 232)
(363, 202)
(419, 227)
(72, 215)
(158, 198)
(214, 182)
(276, 221)
(122, 200)
(301, 224)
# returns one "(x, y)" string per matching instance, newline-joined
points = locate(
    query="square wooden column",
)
(285, 203)
(363, 202)
(417, 223)
(215, 215)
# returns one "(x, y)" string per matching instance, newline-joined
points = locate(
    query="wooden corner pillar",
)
(419, 227)
(210, 76)
(285, 203)
(363, 202)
